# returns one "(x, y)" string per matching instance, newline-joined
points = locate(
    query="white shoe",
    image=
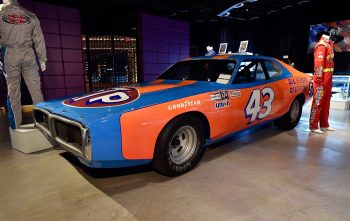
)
(327, 129)
(317, 131)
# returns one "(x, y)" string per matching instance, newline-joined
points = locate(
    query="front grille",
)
(68, 133)
(41, 118)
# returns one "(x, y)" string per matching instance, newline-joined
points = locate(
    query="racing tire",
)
(179, 146)
(292, 117)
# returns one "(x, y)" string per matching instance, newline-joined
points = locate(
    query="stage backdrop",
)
(162, 42)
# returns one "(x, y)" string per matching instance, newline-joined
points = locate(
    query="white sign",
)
(243, 46)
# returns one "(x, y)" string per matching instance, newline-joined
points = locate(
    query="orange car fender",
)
(140, 128)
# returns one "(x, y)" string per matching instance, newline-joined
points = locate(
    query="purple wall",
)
(62, 31)
(162, 42)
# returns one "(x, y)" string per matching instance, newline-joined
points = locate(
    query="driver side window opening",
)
(272, 69)
(219, 71)
(257, 71)
(250, 71)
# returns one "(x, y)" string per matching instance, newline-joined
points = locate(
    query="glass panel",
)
(340, 87)
(272, 69)
(219, 71)
(109, 61)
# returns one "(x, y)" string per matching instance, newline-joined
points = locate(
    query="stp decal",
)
(109, 98)
(16, 19)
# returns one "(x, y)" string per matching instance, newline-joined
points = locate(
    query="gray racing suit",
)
(19, 32)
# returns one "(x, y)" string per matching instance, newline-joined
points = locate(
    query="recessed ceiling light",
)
(226, 13)
(287, 6)
(302, 2)
(272, 11)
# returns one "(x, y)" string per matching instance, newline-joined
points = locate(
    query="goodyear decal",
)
(184, 105)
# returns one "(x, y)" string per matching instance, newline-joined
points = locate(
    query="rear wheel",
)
(292, 117)
(179, 146)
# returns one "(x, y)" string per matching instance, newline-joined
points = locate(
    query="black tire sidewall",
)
(293, 124)
(162, 161)
(286, 122)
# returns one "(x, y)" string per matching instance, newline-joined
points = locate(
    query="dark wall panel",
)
(162, 42)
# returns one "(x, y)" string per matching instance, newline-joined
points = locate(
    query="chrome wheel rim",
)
(182, 144)
(294, 112)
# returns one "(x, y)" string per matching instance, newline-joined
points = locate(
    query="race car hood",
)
(98, 105)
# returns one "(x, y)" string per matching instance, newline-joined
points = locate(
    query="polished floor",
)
(265, 174)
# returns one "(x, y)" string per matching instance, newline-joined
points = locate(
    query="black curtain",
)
(283, 33)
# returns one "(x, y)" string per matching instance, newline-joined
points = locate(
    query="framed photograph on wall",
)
(222, 48)
(243, 46)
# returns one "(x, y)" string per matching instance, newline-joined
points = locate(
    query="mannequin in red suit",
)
(322, 80)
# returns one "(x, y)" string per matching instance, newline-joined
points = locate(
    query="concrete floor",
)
(265, 174)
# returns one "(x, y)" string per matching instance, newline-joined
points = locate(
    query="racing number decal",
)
(253, 109)
(267, 103)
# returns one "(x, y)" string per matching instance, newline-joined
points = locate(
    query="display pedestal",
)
(29, 139)
(341, 104)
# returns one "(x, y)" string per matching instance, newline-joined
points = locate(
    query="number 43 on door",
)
(253, 109)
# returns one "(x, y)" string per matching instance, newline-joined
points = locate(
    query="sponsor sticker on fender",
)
(184, 105)
(108, 98)
(223, 104)
(236, 93)
(16, 19)
(221, 95)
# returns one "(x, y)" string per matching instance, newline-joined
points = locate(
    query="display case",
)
(340, 92)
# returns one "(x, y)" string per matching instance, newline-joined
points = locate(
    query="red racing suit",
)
(322, 80)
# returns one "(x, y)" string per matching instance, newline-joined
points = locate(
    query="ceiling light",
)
(287, 6)
(272, 11)
(302, 2)
(226, 13)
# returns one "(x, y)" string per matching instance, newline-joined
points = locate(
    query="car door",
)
(254, 96)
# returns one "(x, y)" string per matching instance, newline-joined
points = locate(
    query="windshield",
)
(219, 71)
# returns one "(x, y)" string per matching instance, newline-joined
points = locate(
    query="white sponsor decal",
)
(184, 105)
(319, 95)
(221, 95)
(318, 71)
(236, 93)
(215, 97)
(223, 78)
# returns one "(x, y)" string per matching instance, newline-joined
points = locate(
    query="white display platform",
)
(341, 104)
(29, 139)
(335, 104)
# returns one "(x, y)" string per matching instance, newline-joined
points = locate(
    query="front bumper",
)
(70, 135)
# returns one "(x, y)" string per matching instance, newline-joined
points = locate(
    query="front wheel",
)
(292, 117)
(179, 146)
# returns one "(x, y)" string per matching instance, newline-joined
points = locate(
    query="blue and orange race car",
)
(169, 121)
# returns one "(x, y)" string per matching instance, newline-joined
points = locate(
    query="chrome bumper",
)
(48, 127)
